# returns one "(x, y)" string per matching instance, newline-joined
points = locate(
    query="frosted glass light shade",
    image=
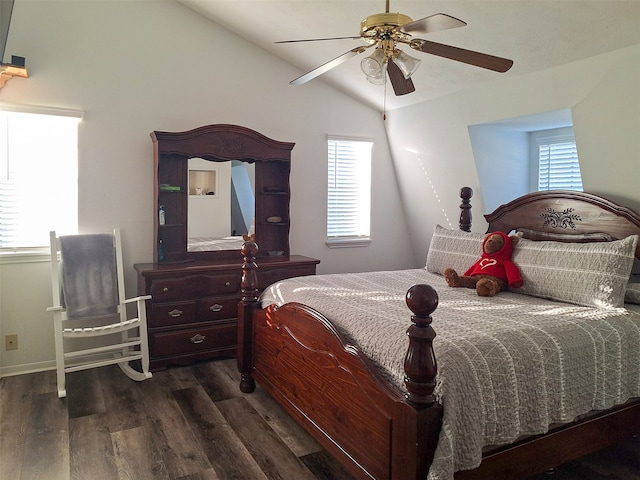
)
(381, 80)
(374, 67)
(407, 64)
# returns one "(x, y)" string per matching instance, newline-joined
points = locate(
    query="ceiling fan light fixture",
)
(407, 64)
(386, 31)
(379, 80)
(374, 67)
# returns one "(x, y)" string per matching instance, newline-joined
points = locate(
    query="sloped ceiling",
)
(535, 34)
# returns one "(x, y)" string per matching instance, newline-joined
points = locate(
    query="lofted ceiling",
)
(535, 34)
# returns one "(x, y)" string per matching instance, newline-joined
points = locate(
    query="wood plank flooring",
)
(185, 423)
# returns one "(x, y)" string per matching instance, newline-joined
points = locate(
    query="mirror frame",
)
(216, 143)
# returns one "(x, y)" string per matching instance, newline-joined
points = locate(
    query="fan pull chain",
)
(384, 103)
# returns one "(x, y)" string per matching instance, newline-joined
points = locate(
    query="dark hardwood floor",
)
(185, 423)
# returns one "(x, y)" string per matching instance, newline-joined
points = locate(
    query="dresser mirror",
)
(221, 204)
(215, 184)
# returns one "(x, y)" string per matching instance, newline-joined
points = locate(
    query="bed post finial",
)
(465, 209)
(420, 366)
(248, 303)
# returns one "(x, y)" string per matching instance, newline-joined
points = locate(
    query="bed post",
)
(246, 307)
(420, 369)
(465, 209)
(420, 366)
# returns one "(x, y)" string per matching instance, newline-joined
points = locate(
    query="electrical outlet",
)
(11, 342)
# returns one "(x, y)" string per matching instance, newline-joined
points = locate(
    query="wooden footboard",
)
(335, 392)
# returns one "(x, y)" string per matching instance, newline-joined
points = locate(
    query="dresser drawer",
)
(195, 286)
(220, 284)
(169, 314)
(217, 308)
(168, 290)
(194, 340)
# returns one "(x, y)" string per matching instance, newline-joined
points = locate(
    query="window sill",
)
(348, 242)
(24, 255)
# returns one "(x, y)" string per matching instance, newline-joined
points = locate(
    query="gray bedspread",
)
(508, 366)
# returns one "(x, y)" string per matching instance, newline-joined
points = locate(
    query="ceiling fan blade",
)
(483, 60)
(329, 65)
(433, 23)
(319, 39)
(401, 85)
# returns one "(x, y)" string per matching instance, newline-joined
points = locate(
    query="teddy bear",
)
(494, 272)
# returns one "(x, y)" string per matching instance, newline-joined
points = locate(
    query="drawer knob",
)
(215, 308)
(165, 289)
(228, 284)
(175, 313)
(197, 338)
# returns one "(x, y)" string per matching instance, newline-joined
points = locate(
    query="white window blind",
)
(349, 190)
(558, 165)
(38, 177)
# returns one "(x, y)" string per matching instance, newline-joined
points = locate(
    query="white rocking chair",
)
(89, 303)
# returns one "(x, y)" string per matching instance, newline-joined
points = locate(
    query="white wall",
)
(502, 162)
(25, 293)
(134, 67)
(432, 150)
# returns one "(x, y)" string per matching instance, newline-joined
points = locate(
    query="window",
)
(557, 160)
(38, 175)
(349, 192)
(507, 154)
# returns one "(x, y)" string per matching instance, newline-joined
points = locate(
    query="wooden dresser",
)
(193, 312)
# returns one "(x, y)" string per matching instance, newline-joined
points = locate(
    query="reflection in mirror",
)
(221, 205)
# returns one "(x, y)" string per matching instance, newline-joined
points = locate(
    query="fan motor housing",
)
(374, 24)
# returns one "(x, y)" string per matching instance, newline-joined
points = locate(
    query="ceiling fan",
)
(385, 31)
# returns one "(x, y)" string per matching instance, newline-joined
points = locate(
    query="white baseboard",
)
(27, 368)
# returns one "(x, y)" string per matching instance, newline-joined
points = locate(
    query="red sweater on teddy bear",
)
(498, 264)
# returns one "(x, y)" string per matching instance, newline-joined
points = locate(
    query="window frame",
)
(550, 136)
(22, 254)
(364, 179)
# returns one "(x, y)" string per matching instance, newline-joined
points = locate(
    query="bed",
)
(496, 393)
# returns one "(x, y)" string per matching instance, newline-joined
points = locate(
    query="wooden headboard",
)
(563, 215)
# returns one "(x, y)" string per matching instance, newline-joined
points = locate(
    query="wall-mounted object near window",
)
(17, 66)
(14, 69)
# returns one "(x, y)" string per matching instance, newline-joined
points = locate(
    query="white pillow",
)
(453, 248)
(591, 274)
